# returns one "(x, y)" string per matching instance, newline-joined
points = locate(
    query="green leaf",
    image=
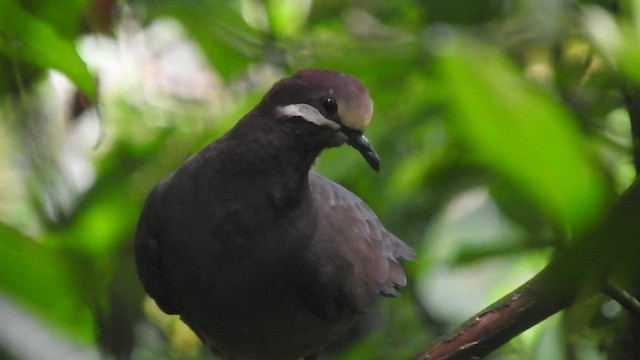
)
(287, 17)
(66, 17)
(521, 133)
(26, 38)
(229, 43)
(616, 38)
(41, 279)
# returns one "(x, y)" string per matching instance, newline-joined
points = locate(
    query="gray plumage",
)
(261, 257)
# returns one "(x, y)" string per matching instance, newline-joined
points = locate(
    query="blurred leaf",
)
(603, 30)
(64, 16)
(34, 41)
(287, 17)
(390, 341)
(618, 40)
(229, 43)
(462, 11)
(42, 280)
(521, 134)
(469, 254)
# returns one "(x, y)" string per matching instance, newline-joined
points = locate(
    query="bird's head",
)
(337, 106)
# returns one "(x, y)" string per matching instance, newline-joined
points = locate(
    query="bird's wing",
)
(148, 253)
(354, 232)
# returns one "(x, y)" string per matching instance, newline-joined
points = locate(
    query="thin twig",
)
(623, 298)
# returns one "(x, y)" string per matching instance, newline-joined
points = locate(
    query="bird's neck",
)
(292, 179)
(278, 160)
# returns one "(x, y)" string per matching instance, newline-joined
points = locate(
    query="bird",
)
(261, 256)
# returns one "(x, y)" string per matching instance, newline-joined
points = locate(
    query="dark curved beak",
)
(357, 140)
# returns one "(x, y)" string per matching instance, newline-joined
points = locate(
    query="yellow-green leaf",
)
(25, 38)
(521, 133)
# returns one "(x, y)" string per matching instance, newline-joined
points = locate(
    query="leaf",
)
(287, 17)
(40, 279)
(229, 43)
(521, 133)
(616, 38)
(26, 38)
(66, 17)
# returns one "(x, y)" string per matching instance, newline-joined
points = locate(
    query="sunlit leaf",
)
(618, 41)
(25, 38)
(287, 17)
(521, 133)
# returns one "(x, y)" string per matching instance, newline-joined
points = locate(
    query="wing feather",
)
(359, 236)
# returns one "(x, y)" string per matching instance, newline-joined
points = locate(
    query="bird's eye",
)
(330, 106)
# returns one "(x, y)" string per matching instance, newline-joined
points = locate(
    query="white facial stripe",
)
(309, 113)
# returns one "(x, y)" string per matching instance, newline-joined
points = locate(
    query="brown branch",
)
(545, 294)
(496, 325)
(578, 272)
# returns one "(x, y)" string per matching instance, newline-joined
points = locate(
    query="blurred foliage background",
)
(502, 127)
